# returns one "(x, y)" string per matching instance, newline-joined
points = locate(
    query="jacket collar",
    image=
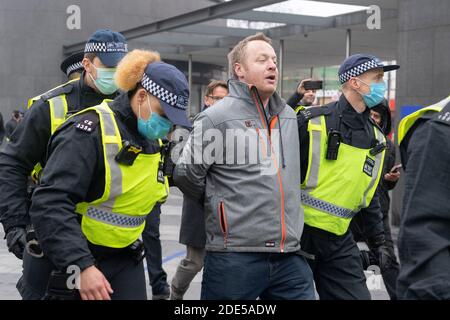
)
(122, 109)
(242, 90)
(350, 117)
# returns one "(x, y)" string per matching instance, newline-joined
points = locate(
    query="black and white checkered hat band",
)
(108, 47)
(161, 93)
(358, 70)
(74, 67)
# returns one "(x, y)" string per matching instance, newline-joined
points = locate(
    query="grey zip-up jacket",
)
(251, 194)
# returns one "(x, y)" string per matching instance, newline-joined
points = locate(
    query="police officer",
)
(340, 177)
(414, 123)
(424, 237)
(72, 66)
(28, 145)
(102, 178)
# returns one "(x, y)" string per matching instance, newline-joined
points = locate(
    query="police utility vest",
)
(335, 190)
(58, 109)
(407, 122)
(117, 218)
(57, 102)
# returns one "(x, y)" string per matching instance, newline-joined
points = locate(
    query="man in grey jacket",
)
(242, 160)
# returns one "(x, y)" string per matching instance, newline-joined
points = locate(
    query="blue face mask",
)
(376, 95)
(105, 80)
(155, 127)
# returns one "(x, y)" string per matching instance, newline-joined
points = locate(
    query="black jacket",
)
(10, 126)
(356, 130)
(28, 145)
(294, 100)
(424, 238)
(385, 186)
(357, 226)
(74, 172)
(192, 229)
(389, 159)
(411, 145)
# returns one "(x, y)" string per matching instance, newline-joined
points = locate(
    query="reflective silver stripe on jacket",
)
(103, 212)
(326, 206)
(58, 107)
(112, 149)
(115, 219)
(313, 177)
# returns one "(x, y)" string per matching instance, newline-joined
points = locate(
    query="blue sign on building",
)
(407, 110)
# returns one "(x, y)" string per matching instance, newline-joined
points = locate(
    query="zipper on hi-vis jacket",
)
(266, 125)
(223, 223)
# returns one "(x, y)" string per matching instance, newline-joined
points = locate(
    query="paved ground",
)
(10, 267)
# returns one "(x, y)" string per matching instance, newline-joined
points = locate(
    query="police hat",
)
(358, 64)
(109, 46)
(73, 63)
(169, 85)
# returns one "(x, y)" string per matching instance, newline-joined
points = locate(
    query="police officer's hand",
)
(16, 241)
(93, 285)
(383, 256)
(301, 87)
(380, 251)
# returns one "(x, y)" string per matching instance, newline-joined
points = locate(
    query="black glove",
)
(380, 251)
(16, 241)
(367, 259)
(168, 165)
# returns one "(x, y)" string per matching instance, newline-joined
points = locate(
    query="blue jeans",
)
(247, 276)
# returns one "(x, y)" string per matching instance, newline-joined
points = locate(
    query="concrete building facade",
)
(32, 35)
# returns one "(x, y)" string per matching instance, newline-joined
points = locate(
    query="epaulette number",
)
(85, 125)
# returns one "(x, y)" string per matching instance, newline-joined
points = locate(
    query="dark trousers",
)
(337, 268)
(35, 275)
(153, 251)
(126, 277)
(247, 276)
(390, 273)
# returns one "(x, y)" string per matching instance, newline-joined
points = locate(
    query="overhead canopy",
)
(309, 40)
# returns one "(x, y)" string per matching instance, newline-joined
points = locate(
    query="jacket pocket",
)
(223, 221)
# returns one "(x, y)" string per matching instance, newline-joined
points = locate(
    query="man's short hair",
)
(213, 85)
(237, 55)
